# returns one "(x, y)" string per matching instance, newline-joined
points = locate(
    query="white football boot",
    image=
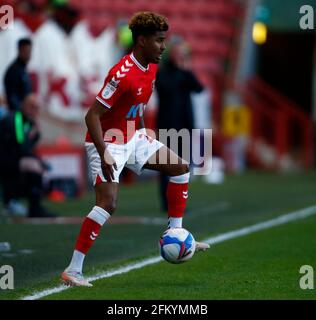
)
(201, 246)
(74, 279)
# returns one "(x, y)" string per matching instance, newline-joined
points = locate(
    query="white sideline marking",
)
(296, 215)
(292, 216)
(107, 274)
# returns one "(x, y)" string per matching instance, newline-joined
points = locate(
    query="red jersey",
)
(125, 92)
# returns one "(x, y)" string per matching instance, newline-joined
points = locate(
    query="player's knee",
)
(109, 205)
(186, 168)
(182, 175)
(183, 169)
(180, 169)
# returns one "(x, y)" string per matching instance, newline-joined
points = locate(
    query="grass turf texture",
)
(264, 265)
(245, 268)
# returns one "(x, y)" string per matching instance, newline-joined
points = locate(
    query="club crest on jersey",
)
(108, 90)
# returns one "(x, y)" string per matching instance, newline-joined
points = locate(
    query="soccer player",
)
(112, 140)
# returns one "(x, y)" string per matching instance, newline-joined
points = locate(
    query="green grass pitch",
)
(262, 265)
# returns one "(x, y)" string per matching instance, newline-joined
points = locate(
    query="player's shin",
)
(177, 195)
(88, 233)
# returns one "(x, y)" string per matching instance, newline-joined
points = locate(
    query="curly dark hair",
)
(147, 23)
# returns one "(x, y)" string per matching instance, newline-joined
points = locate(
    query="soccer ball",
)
(177, 245)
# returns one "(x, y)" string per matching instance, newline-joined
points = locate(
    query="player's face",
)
(155, 46)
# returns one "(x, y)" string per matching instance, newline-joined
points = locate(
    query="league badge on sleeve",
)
(109, 89)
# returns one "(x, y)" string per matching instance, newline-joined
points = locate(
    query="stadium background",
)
(259, 68)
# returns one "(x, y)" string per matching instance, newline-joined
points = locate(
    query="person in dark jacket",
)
(175, 83)
(20, 169)
(17, 81)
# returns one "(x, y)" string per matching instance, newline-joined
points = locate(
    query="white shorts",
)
(133, 155)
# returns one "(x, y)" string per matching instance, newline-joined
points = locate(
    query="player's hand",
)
(108, 166)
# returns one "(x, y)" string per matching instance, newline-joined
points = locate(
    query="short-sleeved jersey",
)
(125, 92)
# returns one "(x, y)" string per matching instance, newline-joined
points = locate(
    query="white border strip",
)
(296, 215)
(137, 63)
(103, 102)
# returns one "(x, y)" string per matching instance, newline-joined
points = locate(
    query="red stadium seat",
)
(207, 64)
(211, 46)
(99, 23)
(208, 26)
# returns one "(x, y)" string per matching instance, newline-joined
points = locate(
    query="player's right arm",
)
(115, 85)
(93, 123)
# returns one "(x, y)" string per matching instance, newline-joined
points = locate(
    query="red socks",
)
(177, 194)
(88, 233)
(90, 229)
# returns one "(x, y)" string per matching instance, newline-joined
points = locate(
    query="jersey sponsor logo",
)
(139, 91)
(108, 90)
(136, 109)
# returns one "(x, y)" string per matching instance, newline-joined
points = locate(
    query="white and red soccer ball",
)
(177, 245)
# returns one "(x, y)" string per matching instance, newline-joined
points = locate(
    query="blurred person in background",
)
(117, 138)
(17, 81)
(175, 83)
(3, 107)
(8, 40)
(17, 85)
(20, 169)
